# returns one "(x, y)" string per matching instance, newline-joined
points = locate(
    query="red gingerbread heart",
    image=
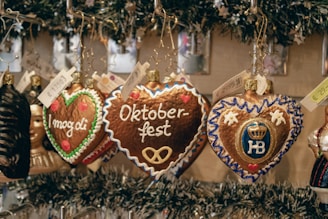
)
(160, 128)
(74, 124)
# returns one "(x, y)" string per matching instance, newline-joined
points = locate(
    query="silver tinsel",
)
(177, 198)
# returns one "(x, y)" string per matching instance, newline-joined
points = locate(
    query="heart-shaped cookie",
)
(251, 136)
(193, 153)
(74, 124)
(157, 125)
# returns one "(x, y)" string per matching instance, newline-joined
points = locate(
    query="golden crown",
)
(257, 132)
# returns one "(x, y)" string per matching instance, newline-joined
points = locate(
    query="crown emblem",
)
(256, 131)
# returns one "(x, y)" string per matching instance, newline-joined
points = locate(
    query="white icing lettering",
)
(152, 115)
(180, 111)
(259, 147)
(148, 130)
(147, 114)
(70, 126)
(135, 114)
(161, 113)
(122, 112)
(144, 110)
(81, 125)
(171, 113)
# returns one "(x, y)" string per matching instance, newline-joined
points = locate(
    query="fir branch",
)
(287, 20)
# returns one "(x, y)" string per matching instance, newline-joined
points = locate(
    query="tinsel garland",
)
(180, 198)
(288, 21)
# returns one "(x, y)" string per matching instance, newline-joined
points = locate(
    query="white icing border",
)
(264, 104)
(91, 136)
(153, 94)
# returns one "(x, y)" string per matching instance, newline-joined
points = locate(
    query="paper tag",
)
(232, 86)
(262, 84)
(316, 96)
(136, 76)
(25, 81)
(106, 83)
(56, 86)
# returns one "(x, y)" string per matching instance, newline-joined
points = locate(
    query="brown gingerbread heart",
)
(74, 124)
(157, 125)
(250, 133)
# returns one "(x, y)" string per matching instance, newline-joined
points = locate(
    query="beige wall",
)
(229, 57)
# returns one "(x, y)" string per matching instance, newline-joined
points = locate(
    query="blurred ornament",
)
(318, 142)
(15, 143)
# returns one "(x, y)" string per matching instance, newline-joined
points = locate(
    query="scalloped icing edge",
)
(295, 118)
(167, 88)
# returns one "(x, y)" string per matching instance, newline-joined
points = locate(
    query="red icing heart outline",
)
(185, 98)
(253, 167)
(54, 106)
(83, 106)
(135, 95)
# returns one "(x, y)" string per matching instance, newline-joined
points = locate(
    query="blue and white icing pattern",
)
(286, 103)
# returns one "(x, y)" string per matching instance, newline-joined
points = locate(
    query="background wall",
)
(228, 58)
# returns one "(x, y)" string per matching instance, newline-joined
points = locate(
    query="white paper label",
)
(232, 86)
(316, 96)
(25, 81)
(106, 83)
(56, 86)
(136, 76)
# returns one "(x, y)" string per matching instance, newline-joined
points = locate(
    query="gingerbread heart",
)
(251, 137)
(193, 153)
(74, 124)
(157, 125)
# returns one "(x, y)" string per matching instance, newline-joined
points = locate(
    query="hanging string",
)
(259, 42)
(80, 56)
(166, 26)
(155, 57)
(81, 30)
(171, 56)
(163, 29)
